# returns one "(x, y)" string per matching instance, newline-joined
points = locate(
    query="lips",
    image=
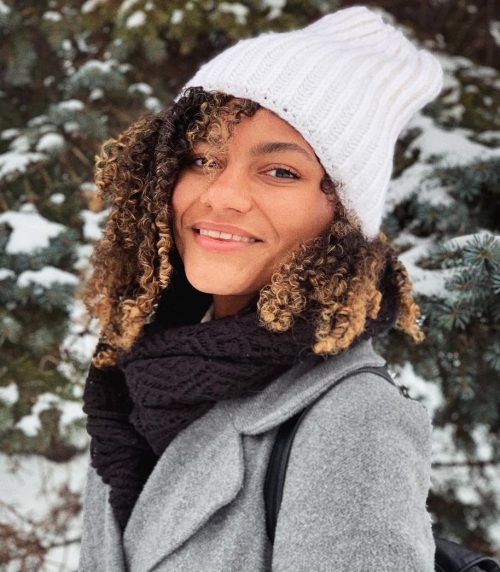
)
(224, 235)
(224, 232)
(222, 238)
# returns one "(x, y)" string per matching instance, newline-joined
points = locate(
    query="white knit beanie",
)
(349, 83)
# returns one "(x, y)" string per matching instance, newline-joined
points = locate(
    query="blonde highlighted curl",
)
(348, 285)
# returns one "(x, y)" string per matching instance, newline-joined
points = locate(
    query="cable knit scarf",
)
(169, 378)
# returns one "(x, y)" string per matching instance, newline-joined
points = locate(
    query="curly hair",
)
(348, 285)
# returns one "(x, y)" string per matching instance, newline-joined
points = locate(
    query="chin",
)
(220, 282)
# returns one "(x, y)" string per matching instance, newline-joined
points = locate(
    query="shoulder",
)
(357, 482)
(364, 426)
(365, 402)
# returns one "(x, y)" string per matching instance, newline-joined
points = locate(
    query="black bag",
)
(449, 556)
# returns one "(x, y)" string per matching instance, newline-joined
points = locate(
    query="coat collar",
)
(202, 469)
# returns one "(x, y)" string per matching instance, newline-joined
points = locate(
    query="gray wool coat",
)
(354, 498)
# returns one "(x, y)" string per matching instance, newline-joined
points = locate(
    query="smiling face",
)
(236, 224)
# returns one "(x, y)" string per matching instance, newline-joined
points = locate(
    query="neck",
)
(229, 305)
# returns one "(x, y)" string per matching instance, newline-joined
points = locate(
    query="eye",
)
(283, 173)
(201, 161)
(196, 161)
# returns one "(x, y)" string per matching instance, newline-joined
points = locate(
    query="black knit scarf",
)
(172, 375)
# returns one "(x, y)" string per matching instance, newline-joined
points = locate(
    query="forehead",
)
(264, 130)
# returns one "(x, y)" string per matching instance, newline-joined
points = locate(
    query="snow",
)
(96, 93)
(20, 144)
(495, 31)
(71, 126)
(9, 394)
(124, 68)
(57, 198)
(437, 146)
(70, 104)
(414, 180)
(30, 425)
(31, 473)
(126, 6)
(153, 104)
(489, 136)
(484, 449)
(471, 486)
(95, 66)
(275, 7)
(140, 87)
(427, 392)
(454, 144)
(455, 113)
(6, 273)
(461, 241)
(82, 337)
(14, 162)
(31, 486)
(177, 17)
(444, 449)
(38, 121)
(84, 251)
(431, 283)
(71, 411)
(136, 19)
(91, 5)
(30, 231)
(4, 9)
(450, 82)
(88, 186)
(51, 143)
(7, 134)
(52, 16)
(239, 11)
(467, 495)
(46, 277)
(91, 224)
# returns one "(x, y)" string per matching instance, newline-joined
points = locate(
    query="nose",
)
(228, 190)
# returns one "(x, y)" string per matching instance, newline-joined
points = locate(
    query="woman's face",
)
(234, 228)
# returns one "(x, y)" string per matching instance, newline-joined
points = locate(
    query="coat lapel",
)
(200, 472)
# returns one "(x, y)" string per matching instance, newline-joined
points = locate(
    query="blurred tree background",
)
(73, 73)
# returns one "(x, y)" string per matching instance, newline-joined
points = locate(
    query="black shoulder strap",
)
(276, 468)
(449, 557)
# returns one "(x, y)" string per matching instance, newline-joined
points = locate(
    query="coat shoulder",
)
(357, 482)
(368, 400)
(367, 412)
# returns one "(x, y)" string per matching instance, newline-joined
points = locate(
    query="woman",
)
(241, 275)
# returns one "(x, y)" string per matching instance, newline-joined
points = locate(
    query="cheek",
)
(306, 221)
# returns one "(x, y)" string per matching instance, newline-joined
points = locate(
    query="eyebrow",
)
(279, 146)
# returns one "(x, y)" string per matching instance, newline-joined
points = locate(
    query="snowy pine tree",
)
(444, 216)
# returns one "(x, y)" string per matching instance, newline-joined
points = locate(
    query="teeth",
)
(224, 235)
